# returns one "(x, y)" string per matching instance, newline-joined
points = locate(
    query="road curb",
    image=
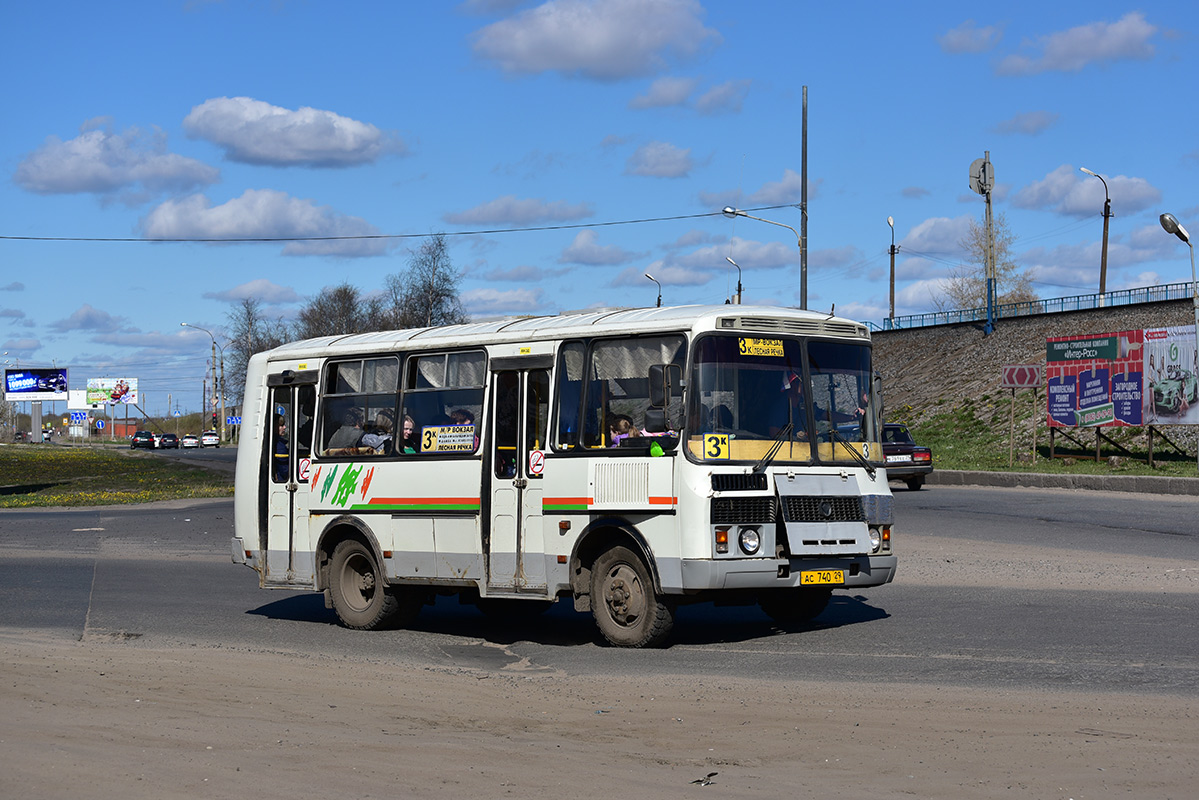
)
(1137, 484)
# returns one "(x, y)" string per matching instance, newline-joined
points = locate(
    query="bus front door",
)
(513, 540)
(287, 451)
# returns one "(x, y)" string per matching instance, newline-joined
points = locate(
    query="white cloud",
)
(511, 210)
(260, 289)
(660, 160)
(666, 273)
(789, 189)
(597, 39)
(1071, 192)
(726, 98)
(665, 92)
(98, 161)
(1030, 123)
(522, 274)
(939, 235)
(87, 318)
(748, 253)
(585, 249)
(492, 302)
(21, 348)
(970, 38)
(254, 132)
(1076, 48)
(264, 214)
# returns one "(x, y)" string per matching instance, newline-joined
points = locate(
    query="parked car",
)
(169, 441)
(906, 460)
(189, 440)
(210, 439)
(142, 439)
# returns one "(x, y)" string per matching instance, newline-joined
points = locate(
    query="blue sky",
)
(277, 119)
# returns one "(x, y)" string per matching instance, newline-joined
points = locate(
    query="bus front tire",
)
(793, 606)
(361, 597)
(627, 610)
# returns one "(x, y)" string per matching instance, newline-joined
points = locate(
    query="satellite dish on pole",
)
(982, 176)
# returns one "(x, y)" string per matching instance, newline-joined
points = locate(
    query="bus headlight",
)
(876, 540)
(749, 540)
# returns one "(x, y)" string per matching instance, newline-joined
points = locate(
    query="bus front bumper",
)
(857, 571)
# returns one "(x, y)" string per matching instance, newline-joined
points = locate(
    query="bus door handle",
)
(520, 483)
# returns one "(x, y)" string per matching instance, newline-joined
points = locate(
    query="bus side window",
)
(617, 391)
(443, 395)
(570, 390)
(358, 415)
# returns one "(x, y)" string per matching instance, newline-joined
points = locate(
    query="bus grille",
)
(742, 510)
(739, 482)
(798, 508)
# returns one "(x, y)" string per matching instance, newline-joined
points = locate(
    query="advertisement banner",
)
(1171, 383)
(35, 384)
(1095, 380)
(111, 391)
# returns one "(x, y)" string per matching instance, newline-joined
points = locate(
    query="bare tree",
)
(250, 332)
(967, 284)
(426, 293)
(339, 310)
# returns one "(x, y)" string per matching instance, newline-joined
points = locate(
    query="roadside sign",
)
(1022, 376)
(232, 420)
(100, 424)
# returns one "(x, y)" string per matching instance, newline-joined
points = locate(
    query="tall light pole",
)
(655, 280)
(738, 266)
(894, 250)
(1107, 215)
(731, 212)
(1171, 226)
(221, 391)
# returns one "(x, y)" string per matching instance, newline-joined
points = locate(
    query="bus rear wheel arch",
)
(627, 609)
(359, 592)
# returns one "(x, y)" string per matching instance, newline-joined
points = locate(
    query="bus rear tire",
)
(627, 610)
(793, 606)
(361, 597)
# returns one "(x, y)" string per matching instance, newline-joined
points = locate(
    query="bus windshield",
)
(745, 391)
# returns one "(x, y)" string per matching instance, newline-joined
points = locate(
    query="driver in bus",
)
(791, 409)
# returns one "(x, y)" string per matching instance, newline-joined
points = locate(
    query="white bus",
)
(627, 460)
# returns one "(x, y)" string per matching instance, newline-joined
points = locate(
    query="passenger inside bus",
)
(282, 465)
(378, 437)
(350, 432)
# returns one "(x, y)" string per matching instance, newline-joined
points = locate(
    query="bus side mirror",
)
(663, 380)
(655, 420)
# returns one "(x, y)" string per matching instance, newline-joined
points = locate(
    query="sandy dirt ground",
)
(106, 719)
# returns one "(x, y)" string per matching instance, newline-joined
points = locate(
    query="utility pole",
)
(894, 250)
(803, 217)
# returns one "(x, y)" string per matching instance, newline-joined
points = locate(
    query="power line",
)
(372, 236)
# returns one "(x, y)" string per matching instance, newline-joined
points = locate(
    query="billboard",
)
(1095, 380)
(1171, 377)
(35, 384)
(111, 391)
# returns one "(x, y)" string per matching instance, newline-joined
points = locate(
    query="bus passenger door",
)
(287, 451)
(514, 543)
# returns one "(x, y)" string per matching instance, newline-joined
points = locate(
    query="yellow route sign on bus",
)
(761, 347)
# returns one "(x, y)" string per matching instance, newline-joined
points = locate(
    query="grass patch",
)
(47, 475)
(974, 436)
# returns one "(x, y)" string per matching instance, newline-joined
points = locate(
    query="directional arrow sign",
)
(1021, 376)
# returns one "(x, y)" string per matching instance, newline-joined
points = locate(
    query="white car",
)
(210, 439)
(189, 440)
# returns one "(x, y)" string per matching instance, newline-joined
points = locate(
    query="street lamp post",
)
(738, 266)
(1171, 226)
(894, 250)
(1107, 215)
(730, 212)
(655, 280)
(221, 391)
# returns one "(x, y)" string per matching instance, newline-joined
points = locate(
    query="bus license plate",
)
(821, 576)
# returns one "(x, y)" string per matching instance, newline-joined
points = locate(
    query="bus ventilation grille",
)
(823, 509)
(802, 327)
(755, 481)
(742, 510)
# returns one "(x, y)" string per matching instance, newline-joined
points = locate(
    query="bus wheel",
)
(360, 594)
(627, 610)
(791, 606)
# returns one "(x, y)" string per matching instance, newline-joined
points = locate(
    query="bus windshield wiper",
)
(856, 455)
(774, 448)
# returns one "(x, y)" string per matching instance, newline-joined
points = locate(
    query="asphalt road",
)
(161, 575)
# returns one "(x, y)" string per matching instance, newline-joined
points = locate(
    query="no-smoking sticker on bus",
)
(536, 462)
